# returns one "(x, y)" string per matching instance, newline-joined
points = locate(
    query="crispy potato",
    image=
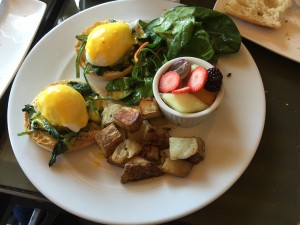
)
(128, 118)
(151, 153)
(163, 154)
(199, 155)
(139, 168)
(149, 108)
(138, 135)
(109, 113)
(182, 147)
(179, 168)
(108, 139)
(142, 149)
(156, 136)
(124, 151)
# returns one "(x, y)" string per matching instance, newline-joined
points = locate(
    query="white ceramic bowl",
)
(184, 119)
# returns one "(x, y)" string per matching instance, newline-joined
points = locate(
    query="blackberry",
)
(214, 79)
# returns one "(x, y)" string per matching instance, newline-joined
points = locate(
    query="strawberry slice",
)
(197, 79)
(169, 82)
(185, 89)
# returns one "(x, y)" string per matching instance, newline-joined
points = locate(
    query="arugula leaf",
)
(77, 64)
(121, 84)
(143, 89)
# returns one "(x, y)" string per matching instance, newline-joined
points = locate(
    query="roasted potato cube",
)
(163, 154)
(138, 168)
(124, 151)
(109, 113)
(151, 153)
(179, 168)
(199, 155)
(182, 147)
(128, 118)
(149, 108)
(108, 139)
(138, 135)
(156, 136)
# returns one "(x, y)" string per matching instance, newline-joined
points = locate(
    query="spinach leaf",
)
(185, 28)
(35, 123)
(50, 129)
(192, 48)
(29, 109)
(59, 148)
(83, 88)
(225, 36)
(38, 124)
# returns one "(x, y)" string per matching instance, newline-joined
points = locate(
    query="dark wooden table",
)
(268, 191)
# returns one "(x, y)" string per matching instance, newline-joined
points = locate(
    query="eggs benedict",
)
(55, 103)
(106, 48)
(64, 117)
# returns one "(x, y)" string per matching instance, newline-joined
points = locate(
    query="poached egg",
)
(63, 106)
(108, 43)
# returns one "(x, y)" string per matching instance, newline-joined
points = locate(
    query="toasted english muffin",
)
(46, 141)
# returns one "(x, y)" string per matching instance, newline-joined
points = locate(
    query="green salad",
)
(180, 31)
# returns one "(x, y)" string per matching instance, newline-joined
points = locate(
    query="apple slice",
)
(184, 103)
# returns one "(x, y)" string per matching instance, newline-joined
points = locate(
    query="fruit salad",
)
(189, 88)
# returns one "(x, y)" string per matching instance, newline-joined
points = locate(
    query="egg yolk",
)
(62, 105)
(108, 43)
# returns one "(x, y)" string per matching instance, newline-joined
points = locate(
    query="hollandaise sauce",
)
(108, 43)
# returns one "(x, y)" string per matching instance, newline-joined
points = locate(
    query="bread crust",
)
(46, 141)
(108, 75)
(264, 13)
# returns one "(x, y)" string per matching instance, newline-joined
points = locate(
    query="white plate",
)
(84, 184)
(19, 21)
(283, 41)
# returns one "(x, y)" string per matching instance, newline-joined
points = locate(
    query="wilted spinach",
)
(44, 125)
